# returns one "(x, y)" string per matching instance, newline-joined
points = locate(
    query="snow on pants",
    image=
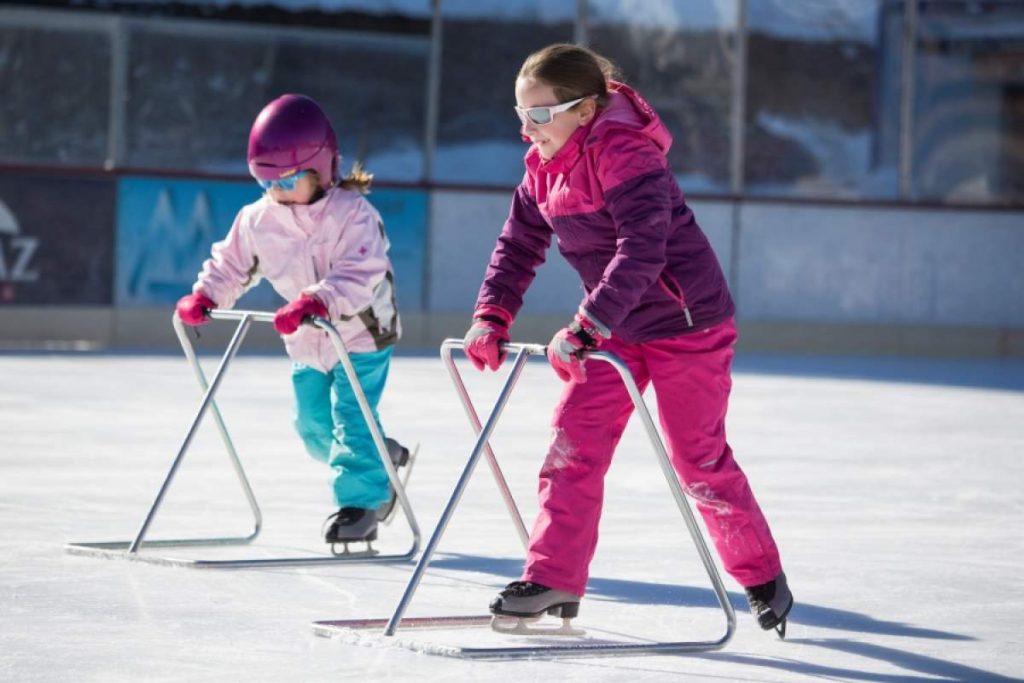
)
(691, 377)
(334, 430)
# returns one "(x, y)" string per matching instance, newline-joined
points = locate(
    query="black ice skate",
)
(527, 602)
(352, 525)
(770, 603)
(403, 461)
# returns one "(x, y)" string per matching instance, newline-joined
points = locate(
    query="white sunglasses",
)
(542, 116)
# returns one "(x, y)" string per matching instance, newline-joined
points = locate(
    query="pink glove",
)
(193, 308)
(288, 318)
(483, 341)
(570, 344)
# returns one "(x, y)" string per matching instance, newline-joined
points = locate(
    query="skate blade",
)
(526, 626)
(345, 551)
(780, 630)
(386, 514)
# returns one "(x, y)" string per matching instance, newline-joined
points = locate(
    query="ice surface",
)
(894, 489)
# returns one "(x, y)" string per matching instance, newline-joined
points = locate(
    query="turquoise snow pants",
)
(334, 431)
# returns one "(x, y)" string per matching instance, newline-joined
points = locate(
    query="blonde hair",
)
(573, 71)
(357, 179)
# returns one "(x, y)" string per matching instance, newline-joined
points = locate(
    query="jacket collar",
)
(626, 110)
(567, 156)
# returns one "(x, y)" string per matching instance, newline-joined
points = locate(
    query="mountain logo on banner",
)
(166, 259)
(16, 253)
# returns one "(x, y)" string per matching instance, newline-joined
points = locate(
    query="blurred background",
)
(857, 164)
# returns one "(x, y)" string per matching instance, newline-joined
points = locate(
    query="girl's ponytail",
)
(357, 179)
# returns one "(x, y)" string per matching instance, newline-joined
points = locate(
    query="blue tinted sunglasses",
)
(287, 184)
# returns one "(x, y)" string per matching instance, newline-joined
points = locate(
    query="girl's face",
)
(305, 189)
(550, 137)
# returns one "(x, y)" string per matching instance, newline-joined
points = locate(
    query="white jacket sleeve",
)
(232, 269)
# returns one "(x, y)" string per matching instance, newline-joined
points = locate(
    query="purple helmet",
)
(291, 134)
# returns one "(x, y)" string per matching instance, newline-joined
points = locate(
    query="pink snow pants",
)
(691, 377)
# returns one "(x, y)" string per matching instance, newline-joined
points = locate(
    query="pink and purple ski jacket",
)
(621, 221)
(334, 249)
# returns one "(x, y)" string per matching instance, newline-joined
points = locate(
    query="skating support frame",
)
(580, 649)
(130, 549)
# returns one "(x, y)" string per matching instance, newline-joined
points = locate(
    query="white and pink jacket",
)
(334, 249)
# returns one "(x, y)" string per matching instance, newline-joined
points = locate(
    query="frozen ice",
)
(893, 486)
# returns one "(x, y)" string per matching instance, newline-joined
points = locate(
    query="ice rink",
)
(895, 490)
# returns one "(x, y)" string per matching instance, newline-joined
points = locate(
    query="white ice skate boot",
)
(770, 603)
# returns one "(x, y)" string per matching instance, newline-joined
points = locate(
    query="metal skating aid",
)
(131, 549)
(578, 648)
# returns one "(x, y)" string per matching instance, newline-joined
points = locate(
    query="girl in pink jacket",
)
(323, 248)
(597, 178)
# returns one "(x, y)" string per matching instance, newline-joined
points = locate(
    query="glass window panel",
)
(969, 103)
(679, 55)
(823, 94)
(195, 90)
(55, 101)
(484, 45)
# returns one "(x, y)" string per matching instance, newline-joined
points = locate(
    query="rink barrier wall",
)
(102, 268)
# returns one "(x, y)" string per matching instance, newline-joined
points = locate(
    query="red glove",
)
(194, 309)
(288, 318)
(570, 344)
(483, 340)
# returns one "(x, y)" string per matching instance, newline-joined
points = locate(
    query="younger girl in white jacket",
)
(322, 246)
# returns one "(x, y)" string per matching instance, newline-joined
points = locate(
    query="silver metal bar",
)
(474, 419)
(229, 353)
(485, 433)
(578, 649)
(129, 550)
(371, 424)
(673, 483)
(229, 446)
(119, 45)
(907, 94)
(433, 93)
(582, 23)
(738, 120)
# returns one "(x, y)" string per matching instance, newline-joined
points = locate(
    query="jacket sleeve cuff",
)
(595, 322)
(485, 311)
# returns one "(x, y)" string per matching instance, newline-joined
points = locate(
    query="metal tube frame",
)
(580, 649)
(130, 549)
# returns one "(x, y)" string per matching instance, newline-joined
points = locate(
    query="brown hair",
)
(573, 71)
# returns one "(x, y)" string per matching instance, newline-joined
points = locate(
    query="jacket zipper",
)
(673, 289)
